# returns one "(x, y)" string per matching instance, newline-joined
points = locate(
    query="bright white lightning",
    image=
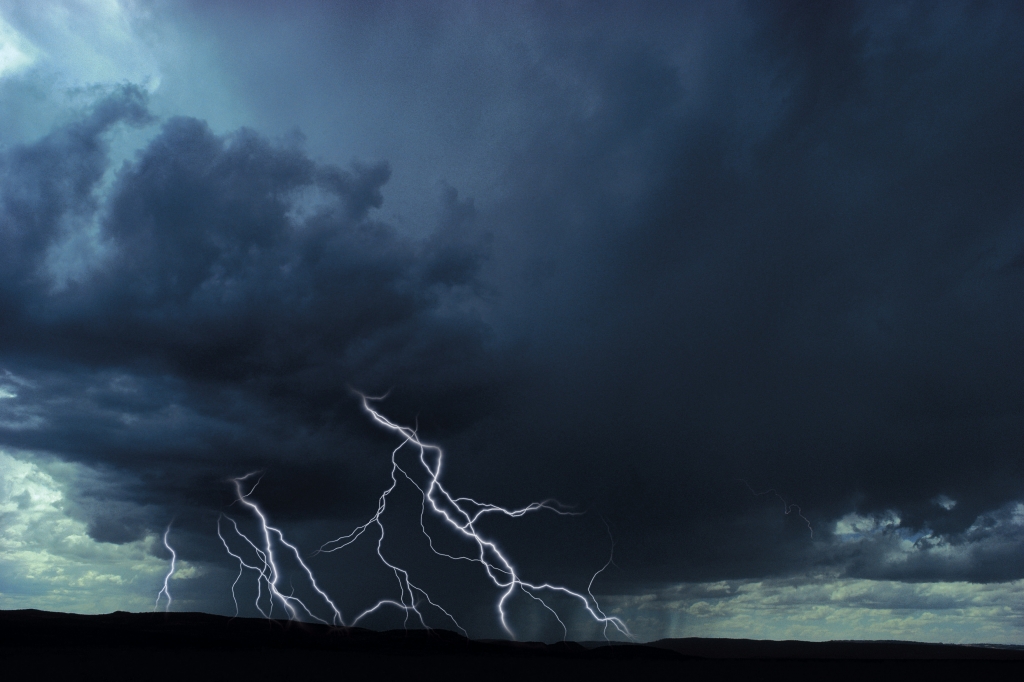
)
(459, 514)
(166, 591)
(269, 575)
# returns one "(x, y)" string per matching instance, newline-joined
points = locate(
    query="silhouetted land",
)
(189, 646)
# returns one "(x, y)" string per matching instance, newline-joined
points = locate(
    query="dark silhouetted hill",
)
(720, 648)
(197, 646)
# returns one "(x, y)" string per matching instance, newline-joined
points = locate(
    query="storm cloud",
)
(640, 259)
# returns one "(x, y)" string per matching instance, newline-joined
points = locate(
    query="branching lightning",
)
(166, 590)
(458, 514)
(786, 506)
(269, 574)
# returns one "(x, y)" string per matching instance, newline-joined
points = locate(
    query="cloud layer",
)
(627, 258)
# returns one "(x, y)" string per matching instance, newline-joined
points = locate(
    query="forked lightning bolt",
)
(459, 514)
(268, 574)
(786, 506)
(166, 591)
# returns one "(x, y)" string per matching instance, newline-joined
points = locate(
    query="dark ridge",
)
(199, 646)
(32, 628)
(883, 650)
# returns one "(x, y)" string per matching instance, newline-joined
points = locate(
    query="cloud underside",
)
(785, 256)
(824, 607)
(49, 561)
(219, 296)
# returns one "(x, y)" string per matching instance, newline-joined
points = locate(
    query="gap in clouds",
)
(828, 607)
(49, 557)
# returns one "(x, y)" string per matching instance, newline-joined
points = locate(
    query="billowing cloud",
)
(628, 258)
(825, 607)
(223, 266)
(16, 52)
(879, 546)
(50, 558)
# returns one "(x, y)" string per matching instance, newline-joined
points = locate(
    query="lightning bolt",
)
(786, 506)
(459, 514)
(268, 572)
(166, 591)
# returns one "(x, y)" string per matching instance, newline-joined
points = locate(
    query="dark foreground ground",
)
(195, 646)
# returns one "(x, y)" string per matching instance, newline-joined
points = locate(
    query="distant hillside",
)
(198, 646)
(836, 650)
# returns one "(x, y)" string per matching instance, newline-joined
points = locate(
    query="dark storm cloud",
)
(813, 290)
(239, 280)
(789, 255)
(883, 548)
(54, 178)
(210, 275)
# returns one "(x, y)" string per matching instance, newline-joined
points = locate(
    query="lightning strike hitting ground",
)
(269, 575)
(459, 514)
(786, 506)
(166, 591)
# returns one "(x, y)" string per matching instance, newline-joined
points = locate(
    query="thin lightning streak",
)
(460, 514)
(166, 591)
(590, 585)
(242, 566)
(270, 574)
(786, 506)
(406, 588)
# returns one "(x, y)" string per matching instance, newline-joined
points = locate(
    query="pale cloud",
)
(187, 571)
(86, 41)
(48, 560)
(855, 526)
(15, 414)
(820, 608)
(902, 552)
(16, 52)
(57, 58)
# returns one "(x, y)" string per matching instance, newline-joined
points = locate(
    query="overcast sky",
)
(740, 283)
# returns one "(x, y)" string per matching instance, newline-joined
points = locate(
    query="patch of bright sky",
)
(16, 53)
(899, 545)
(13, 414)
(88, 41)
(855, 526)
(827, 607)
(58, 58)
(77, 50)
(73, 53)
(82, 48)
(47, 559)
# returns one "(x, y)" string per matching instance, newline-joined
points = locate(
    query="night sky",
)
(679, 266)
